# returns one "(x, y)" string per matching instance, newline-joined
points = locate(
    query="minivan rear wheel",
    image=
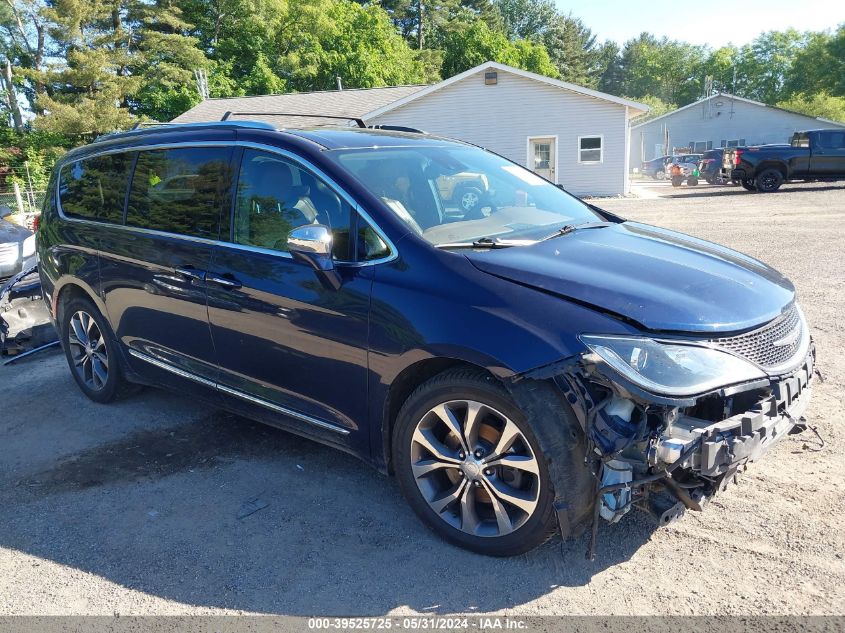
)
(91, 350)
(470, 466)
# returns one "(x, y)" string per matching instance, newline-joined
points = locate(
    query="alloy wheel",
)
(475, 468)
(88, 350)
(469, 200)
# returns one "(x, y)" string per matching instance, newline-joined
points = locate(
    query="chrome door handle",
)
(226, 282)
(191, 273)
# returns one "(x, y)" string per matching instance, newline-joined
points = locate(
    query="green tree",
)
(663, 68)
(478, 43)
(818, 104)
(571, 46)
(764, 64)
(115, 60)
(819, 66)
(269, 46)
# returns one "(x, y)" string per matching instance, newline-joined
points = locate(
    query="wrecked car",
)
(529, 366)
(17, 246)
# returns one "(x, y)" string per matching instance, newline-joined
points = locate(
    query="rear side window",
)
(181, 190)
(95, 188)
(832, 140)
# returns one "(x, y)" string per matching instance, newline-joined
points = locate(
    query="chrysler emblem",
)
(789, 339)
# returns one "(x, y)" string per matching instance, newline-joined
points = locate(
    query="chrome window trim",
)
(394, 253)
(237, 393)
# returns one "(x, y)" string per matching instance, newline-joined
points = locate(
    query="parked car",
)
(684, 168)
(462, 191)
(532, 366)
(710, 167)
(812, 155)
(17, 246)
(656, 167)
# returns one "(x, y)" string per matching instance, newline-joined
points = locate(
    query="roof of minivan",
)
(359, 138)
(326, 137)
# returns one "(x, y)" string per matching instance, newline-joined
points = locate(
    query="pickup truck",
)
(812, 155)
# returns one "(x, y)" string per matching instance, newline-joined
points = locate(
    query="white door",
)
(542, 157)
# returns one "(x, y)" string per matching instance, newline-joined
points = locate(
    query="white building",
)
(722, 120)
(572, 135)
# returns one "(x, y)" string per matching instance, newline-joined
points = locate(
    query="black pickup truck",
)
(813, 155)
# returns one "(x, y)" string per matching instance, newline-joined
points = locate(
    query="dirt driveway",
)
(157, 505)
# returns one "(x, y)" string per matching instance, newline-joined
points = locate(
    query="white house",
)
(572, 135)
(721, 120)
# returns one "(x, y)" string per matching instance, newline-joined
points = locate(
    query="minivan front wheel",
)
(470, 466)
(90, 351)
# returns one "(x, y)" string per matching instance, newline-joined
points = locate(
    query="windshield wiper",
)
(487, 242)
(566, 229)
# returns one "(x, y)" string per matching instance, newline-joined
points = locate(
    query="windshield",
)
(454, 195)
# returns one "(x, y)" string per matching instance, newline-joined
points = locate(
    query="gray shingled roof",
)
(344, 103)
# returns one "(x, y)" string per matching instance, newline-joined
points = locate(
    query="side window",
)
(95, 188)
(275, 196)
(832, 140)
(180, 190)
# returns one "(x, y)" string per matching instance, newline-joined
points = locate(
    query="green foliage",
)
(663, 68)
(478, 43)
(820, 65)
(819, 104)
(764, 65)
(657, 108)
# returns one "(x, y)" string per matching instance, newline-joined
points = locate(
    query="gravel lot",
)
(137, 508)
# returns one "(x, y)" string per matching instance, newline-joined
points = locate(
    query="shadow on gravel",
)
(162, 512)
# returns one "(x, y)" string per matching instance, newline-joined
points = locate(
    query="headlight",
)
(670, 369)
(29, 246)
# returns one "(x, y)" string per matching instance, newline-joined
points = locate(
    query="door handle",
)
(191, 273)
(227, 282)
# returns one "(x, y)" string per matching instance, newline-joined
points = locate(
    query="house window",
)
(590, 149)
(699, 147)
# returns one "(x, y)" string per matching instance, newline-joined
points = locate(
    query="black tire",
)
(115, 383)
(660, 174)
(710, 180)
(473, 385)
(748, 185)
(769, 180)
(677, 181)
(692, 181)
(468, 198)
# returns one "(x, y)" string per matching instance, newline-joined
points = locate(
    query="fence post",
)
(18, 199)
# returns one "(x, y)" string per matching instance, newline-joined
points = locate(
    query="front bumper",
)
(741, 438)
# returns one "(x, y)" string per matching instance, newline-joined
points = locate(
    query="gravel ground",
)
(143, 507)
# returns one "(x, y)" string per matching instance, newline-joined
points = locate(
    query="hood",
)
(662, 280)
(12, 232)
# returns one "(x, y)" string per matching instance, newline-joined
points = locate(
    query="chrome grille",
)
(771, 345)
(9, 253)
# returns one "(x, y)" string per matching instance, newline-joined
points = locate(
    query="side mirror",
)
(5, 212)
(312, 244)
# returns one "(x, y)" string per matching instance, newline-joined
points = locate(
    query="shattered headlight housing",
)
(671, 369)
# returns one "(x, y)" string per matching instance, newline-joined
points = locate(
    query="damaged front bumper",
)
(665, 455)
(25, 323)
(741, 438)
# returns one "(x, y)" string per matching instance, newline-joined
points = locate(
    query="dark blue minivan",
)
(528, 366)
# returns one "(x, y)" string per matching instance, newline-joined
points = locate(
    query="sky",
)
(716, 24)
